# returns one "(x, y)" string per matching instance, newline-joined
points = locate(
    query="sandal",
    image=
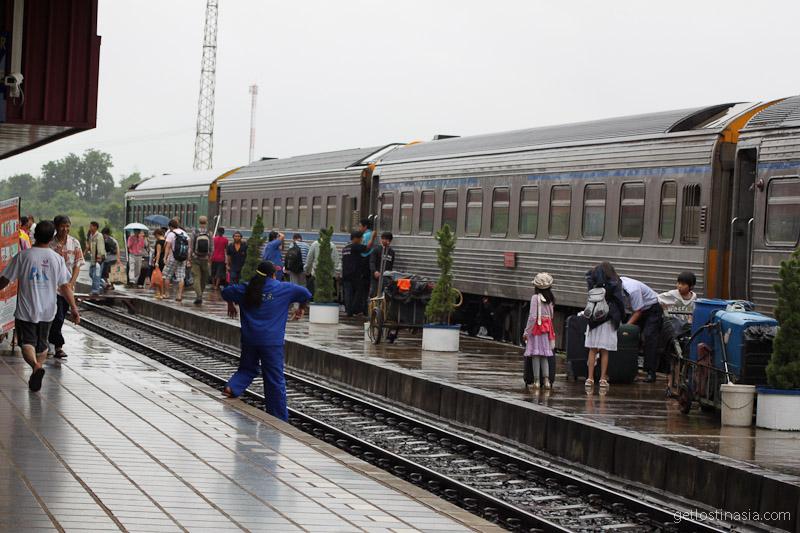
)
(604, 383)
(589, 383)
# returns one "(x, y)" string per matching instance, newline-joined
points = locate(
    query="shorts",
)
(218, 270)
(33, 334)
(174, 267)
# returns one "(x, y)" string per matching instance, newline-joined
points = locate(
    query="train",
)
(714, 190)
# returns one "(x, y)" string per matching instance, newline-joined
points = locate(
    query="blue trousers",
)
(96, 273)
(270, 359)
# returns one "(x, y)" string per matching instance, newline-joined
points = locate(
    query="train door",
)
(741, 230)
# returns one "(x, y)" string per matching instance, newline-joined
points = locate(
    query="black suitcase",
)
(623, 365)
(577, 353)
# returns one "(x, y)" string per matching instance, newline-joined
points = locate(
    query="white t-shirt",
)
(676, 305)
(40, 272)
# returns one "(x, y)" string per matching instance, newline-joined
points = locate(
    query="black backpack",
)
(294, 259)
(202, 244)
(111, 247)
(180, 248)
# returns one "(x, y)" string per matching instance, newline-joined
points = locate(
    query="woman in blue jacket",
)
(264, 304)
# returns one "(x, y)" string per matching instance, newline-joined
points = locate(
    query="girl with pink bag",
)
(539, 334)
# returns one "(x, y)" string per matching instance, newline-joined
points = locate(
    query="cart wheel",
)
(376, 325)
(459, 297)
(685, 399)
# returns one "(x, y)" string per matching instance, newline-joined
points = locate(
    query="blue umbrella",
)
(156, 220)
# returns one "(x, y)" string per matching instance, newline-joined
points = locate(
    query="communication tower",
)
(204, 138)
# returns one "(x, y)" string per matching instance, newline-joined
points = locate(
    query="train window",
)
(266, 212)
(277, 213)
(690, 215)
(194, 213)
(235, 213)
(528, 211)
(669, 205)
(244, 212)
(426, 206)
(406, 211)
(291, 214)
(330, 212)
(500, 208)
(387, 211)
(344, 223)
(783, 206)
(302, 213)
(450, 208)
(474, 212)
(316, 213)
(253, 211)
(594, 211)
(631, 211)
(560, 205)
(223, 213)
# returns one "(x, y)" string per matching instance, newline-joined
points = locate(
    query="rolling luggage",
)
(623, 365)
(577, 353)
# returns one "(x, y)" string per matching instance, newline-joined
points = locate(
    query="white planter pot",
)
(440, 338)
(778, 409)
(737, 404)
(324, 313)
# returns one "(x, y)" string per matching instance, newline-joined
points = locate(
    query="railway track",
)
(515, 493)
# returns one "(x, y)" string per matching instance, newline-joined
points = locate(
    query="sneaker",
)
(536, 384)
(60, 354)
(198, 301)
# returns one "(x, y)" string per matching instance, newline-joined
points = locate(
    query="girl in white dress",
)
(601, 336)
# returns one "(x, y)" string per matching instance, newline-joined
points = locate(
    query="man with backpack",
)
(295, 261)
(202, 248)
(177, 253)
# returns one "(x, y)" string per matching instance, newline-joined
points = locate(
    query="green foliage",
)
(82, 237)
(442, 304)
(324, 289)
(254, 244)
(783, 371)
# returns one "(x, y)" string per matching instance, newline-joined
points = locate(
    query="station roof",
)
(197, 178)
(784, 114)
(311, 163)
(705, 118)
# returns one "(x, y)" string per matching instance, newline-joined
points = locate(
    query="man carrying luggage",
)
(647, 315)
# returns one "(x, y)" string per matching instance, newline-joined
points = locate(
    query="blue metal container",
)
(748, 338)
(704, 309)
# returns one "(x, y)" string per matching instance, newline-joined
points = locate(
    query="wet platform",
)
(114, 441)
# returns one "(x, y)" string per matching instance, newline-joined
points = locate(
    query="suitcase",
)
(623, 365)
(577, 353)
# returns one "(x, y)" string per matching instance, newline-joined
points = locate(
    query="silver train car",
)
(650, 193)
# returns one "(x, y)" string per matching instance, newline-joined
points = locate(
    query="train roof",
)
(784, 114)
(705, 119)
(197, 178)
(311, 163)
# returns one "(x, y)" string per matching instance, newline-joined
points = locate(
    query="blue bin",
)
(704, 309)
(748, 338)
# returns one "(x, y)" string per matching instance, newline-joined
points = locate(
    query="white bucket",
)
(737, 404)
(366, 332)
(323, 313)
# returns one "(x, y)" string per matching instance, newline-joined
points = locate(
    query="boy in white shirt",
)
(679, 302)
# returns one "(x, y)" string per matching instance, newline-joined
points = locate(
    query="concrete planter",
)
(323, 313)
(778, 409)
(440, 337)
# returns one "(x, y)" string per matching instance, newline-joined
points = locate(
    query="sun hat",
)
(543, 280)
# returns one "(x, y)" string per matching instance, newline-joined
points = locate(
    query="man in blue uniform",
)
(264, 303)
(272, 252)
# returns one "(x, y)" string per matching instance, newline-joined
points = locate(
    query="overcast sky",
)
(352, 73)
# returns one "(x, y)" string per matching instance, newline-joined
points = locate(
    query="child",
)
(539, 335)
(679, 302)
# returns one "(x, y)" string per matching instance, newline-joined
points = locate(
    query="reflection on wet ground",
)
(497, 367)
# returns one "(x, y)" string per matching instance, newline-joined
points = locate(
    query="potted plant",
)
(254, 244)
(324, 309)
(779, 405)
(438, 334)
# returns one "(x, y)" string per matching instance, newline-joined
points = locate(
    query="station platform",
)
(116, 441)
(632, 433)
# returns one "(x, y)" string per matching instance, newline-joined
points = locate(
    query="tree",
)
(324, 290)
(253, 250)
(443, 299)
(114, 214)
(97, 182)
(783, 371)
(63, 175)
(126, 183)
(23, 185)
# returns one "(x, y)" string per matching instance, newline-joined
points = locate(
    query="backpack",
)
(180, 248)
(111, 247)
(202, 244)
(596, 309)
(294, 259)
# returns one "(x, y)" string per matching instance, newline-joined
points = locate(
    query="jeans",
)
(355, 296)
(55, 337)
(270, 358)
(96, 273)
(201, 274)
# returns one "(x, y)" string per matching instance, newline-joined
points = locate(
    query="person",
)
(112, 255)
(679, 302)
(236, 255)
(313, 259)
(137, 244)
(647, 315)
(218, 258)
(147, 261)
(539, 334)
(355, 275)
(24, 233)
(176, 253)
(368, 239)
(41, 274)
(69, 248)
(272, 252)
(159, 258)
(376, 258)
(601, 334)
(96, 250)
(295, 261)
(202, 250)
(264, 305)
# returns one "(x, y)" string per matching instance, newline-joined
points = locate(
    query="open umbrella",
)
(136, 225)
(156, 220)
